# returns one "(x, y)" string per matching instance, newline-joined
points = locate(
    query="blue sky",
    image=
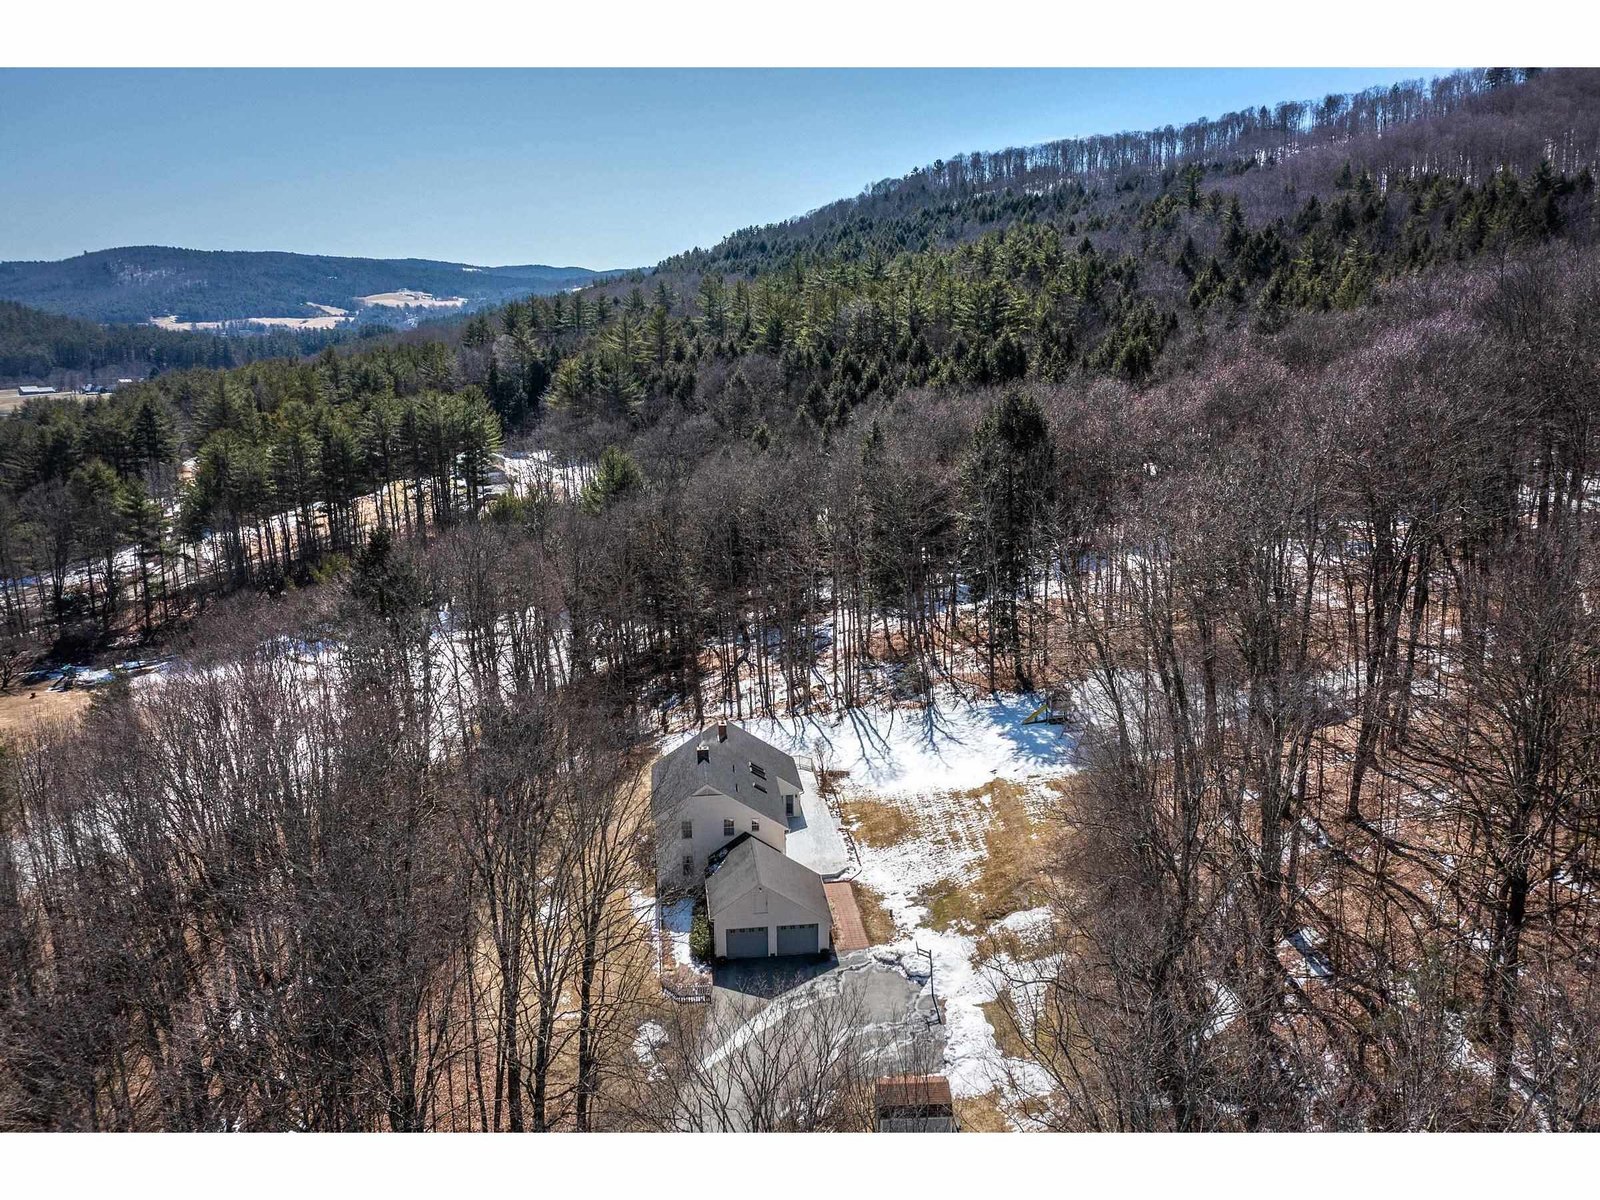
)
(587, 168)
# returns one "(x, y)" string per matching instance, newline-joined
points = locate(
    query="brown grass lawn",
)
(21, 709)
(981, 1114)
(875, 822)
(1016, 848)
(875, 918)
(1005, 1032)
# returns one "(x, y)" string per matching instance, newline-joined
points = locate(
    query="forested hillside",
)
(131, 284)
(1468, 124)
(1260, 451)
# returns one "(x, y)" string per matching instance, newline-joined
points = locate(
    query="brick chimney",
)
(722, 731)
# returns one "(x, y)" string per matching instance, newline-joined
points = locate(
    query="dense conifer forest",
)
(1270, 433)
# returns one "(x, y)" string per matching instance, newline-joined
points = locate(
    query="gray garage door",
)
(797, 939)
(748, 943)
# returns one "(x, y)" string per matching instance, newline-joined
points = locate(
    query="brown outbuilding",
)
(915, 1104)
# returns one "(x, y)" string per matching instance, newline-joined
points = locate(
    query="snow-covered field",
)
(411, 298)
(328, 317)
(911, 752)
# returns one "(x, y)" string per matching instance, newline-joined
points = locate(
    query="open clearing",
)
(406, 298)
(953, 810)
(23, 709)
(328, 318)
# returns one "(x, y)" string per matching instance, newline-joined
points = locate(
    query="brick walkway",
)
(848, 931)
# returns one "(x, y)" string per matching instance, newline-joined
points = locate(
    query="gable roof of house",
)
(736, 763)
(752, 863)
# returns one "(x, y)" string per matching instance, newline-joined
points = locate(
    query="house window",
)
(688, 829)
(727, 827)
(788, 806)
(758, 771)
(755, 826)
(688, 864)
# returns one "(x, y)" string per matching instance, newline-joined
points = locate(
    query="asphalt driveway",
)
(881, 991)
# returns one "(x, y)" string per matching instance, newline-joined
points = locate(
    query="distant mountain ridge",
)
(132, 284)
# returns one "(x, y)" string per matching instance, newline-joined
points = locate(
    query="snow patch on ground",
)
(972, 1058)
(541, 472)
(651, 1037)
(1029, 923)
(955, 745)
(676, 918)
(643, 906)
(1226, 1008)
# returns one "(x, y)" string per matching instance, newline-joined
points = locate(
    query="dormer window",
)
(702, 753)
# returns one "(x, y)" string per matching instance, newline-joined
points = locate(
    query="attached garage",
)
(750, 943)
(764, 904)
(797, 939)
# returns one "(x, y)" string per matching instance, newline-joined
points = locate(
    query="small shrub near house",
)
(700, 944)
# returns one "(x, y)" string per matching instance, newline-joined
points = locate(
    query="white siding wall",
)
(706, 814)
(746, 913)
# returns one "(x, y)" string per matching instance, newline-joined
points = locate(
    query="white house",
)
(763, 903)
(712, 789)
(726, 796)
